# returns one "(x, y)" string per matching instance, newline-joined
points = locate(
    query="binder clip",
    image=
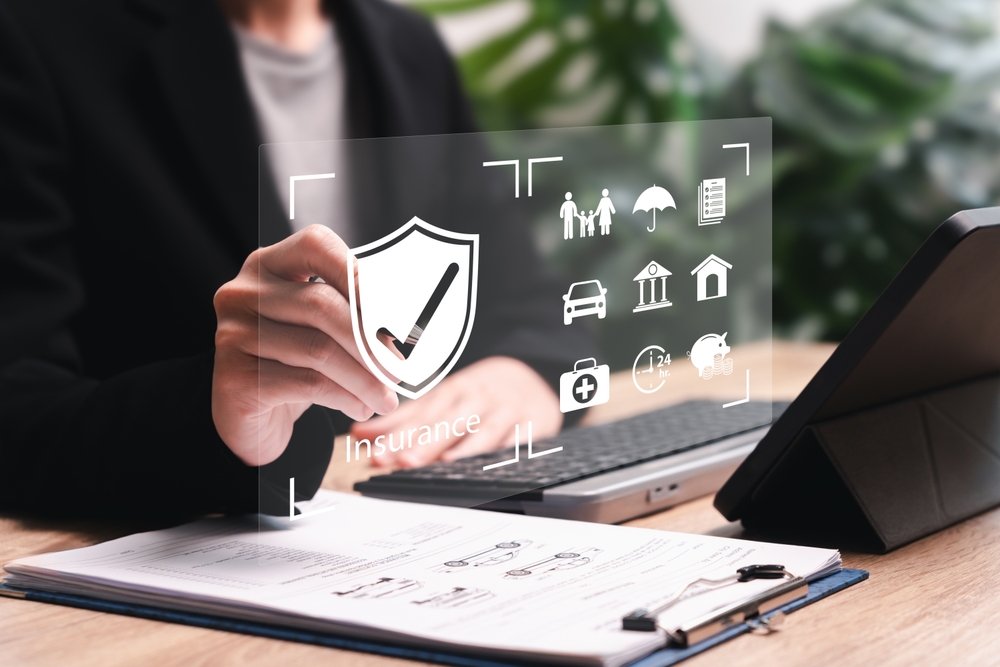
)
(745, 611)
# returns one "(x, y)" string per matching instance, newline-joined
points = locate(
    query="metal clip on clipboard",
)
(744, 611)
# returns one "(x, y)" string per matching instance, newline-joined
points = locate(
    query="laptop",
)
(618, 471)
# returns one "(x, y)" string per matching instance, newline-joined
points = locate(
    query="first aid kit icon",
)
(584, 386)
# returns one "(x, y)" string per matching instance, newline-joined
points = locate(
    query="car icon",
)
(585, 298)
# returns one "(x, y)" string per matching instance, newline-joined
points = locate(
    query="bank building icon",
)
(652, 274)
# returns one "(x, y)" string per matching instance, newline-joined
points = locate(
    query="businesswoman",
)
(132, 378)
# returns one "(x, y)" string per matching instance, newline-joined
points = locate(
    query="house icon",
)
(712, 278)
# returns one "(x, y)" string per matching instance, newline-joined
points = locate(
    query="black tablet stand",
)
(898, 435)
(879, 478)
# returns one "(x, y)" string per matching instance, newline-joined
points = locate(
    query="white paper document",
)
(479, 582)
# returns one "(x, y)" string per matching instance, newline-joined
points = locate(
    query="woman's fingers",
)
(476, 390)
(442, 404)
(284, 343)
(280, 384)
(311, 348)
(388, 341)
(255, 403)
(315, 251)
(437, 404)
(415, 457)
(487, 439)
(315, 305)
(407, 413)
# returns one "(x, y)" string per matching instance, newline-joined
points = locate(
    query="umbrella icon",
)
(654, 198)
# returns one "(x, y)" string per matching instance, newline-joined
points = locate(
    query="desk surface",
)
(932, 602)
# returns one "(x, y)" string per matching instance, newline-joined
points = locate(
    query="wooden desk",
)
(933, 602)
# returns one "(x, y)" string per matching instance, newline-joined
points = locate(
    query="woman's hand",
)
(502, 391)
(284, 343)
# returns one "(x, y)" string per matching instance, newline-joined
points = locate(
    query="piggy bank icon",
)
(708, 355)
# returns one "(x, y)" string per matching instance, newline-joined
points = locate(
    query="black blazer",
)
(128, 195)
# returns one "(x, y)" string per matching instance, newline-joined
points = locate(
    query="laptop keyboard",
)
(586, 451)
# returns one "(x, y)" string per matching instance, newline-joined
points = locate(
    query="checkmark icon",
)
(407, 344)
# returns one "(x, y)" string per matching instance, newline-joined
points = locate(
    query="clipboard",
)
(819, 589)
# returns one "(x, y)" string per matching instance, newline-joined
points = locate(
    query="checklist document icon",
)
(711, 201)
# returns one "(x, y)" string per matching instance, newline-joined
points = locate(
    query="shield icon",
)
(416, 288)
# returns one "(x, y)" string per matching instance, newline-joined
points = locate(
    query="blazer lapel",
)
(196, 58)
(380, 104)
(197, 61)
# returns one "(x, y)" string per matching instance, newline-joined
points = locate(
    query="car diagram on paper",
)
(569, 559)
(501, 552)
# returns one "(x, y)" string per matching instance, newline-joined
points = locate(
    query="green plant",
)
(886, 121)
(580, 62)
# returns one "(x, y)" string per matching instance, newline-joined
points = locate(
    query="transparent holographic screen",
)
(508, 189)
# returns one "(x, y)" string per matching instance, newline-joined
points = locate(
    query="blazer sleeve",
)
(140, 443)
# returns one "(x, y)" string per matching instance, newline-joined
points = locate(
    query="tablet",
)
(898, 434)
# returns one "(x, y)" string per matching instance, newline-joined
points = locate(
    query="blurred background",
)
(886, 112)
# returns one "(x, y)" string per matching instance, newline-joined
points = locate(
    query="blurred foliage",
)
(885, 121)
(580, 62)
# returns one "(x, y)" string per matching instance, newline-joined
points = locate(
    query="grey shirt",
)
(300, 104)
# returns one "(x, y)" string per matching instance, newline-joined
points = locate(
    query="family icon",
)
(605, 209)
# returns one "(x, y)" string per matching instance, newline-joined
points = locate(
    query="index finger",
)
(314, 251)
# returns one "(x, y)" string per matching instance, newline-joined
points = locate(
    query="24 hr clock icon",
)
(651, 368)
